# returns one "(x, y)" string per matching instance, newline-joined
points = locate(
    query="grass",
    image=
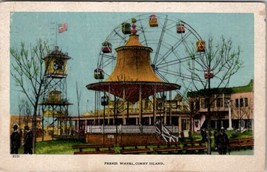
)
(65, 146)
(232, 134)
(55, 147)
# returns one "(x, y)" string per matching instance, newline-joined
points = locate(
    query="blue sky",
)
(86, 32)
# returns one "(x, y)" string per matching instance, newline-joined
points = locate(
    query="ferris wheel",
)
(172, 41)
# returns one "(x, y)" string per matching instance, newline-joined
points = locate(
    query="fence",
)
(128, 129)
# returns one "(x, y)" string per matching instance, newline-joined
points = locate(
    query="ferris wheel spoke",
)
(105, 73)
(107, 62)
(99, 62)
(173, 48)
(189, 50)
(183, 59)
(170, 27)
(174, 62)
(173, 35)
(166, 45)
(182, 75)
(109, 57)
(201, 64)
(104, 59)
(160, 40)
(120, 36)
(169, 63)
(161, 76)
(141, 29)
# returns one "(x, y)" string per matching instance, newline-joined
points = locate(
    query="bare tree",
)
(242, 111)
(29, 74)
(211, 70)
(24, 110)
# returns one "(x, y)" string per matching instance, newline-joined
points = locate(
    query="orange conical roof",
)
(133, 63)
(133, 41)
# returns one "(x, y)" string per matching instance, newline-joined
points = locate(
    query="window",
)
(184, 124)
(236, 103)
(241, 102)
(197, 105)
(206, 103)
(212, 104)
(219, 102)
(202, 103)
(246, 102)
(192, 106)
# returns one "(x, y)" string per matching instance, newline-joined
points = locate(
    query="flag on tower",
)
(63, 27)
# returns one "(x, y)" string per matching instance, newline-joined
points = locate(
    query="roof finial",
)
(134, 26)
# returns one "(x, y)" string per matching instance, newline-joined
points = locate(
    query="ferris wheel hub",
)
(154, 67)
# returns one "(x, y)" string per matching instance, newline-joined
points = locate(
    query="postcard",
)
(133, 86)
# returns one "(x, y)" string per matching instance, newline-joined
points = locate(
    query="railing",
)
(166, 134)
(131, 129)
(55, 100)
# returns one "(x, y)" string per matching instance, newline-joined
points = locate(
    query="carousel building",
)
(130, 93)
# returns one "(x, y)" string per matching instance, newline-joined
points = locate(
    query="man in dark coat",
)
(203, 135)
(15, 140)
(222, 142)
(28, 138)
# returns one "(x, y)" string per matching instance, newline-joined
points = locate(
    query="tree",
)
(242, 110)
(217, 63)
(25, 110)
(29, 74)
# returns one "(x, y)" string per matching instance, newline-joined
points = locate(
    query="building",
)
(236, 102)
(171, 112)
(178, 112)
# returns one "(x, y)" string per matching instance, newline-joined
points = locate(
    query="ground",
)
(49, 146)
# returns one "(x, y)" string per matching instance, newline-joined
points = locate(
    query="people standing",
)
(15, 140)
(190, 135)
(182, 136)
(203, 135)
(222, 142)
(216, 132)
(28, 140)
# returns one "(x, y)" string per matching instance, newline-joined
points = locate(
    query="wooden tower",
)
(55, 103)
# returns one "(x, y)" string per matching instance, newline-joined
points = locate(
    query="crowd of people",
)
(16, 140)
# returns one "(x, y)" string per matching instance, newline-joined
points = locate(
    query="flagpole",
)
(56, 32)
(60, 29)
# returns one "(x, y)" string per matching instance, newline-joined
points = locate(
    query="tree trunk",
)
(34, 128)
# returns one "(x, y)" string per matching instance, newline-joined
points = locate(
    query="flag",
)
(62, 28)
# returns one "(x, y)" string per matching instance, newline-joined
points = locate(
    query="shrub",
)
(234, 135)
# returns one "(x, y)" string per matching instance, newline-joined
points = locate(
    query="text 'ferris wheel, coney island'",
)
(171, 40)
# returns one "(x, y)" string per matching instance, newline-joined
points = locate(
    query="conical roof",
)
(133, 63)
(133, 77)
(133, 41)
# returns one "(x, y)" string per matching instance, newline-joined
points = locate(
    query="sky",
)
(87, 30)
